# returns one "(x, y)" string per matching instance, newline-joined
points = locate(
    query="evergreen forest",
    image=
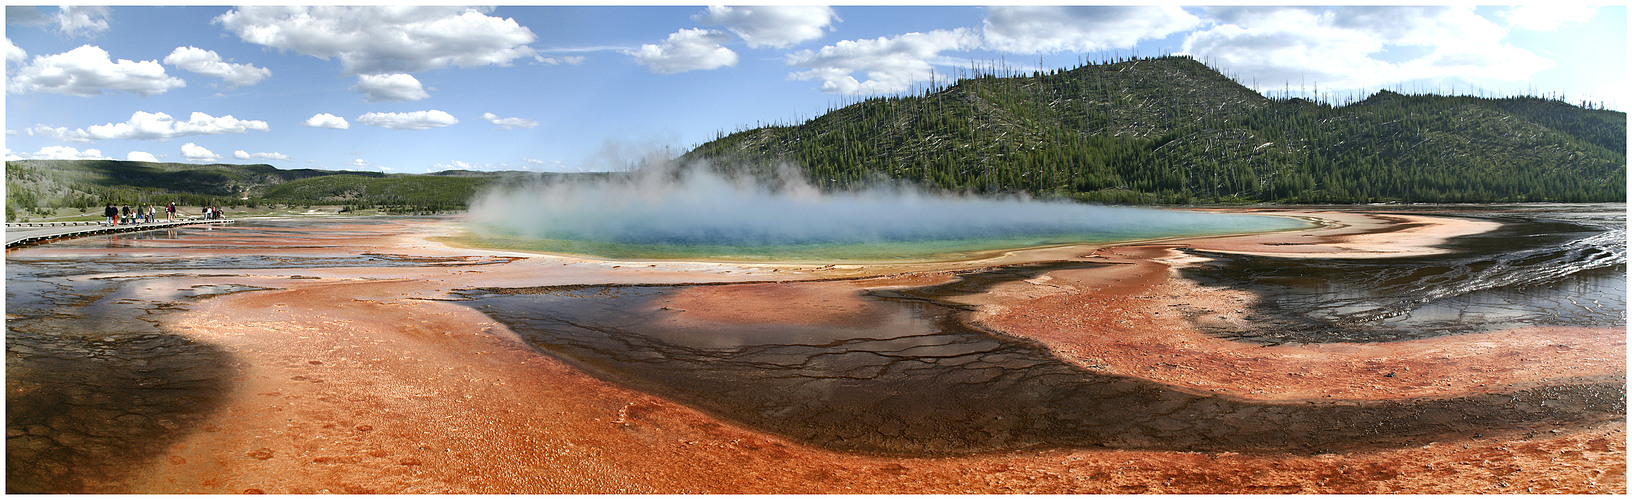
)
(1171, 130)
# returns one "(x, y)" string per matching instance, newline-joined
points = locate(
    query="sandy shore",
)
(348, 381)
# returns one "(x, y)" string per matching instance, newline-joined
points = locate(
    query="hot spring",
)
(698, 213)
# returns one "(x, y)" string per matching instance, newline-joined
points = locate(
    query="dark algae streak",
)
(94, 387)
(1557, 268)
(933, 384)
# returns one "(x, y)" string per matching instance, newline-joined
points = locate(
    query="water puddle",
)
(93, 385)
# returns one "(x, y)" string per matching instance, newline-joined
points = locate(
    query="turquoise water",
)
(868, 241)
(699, 214)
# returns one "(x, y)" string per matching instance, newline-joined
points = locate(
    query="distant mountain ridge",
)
(1172, 130)
(86, 184)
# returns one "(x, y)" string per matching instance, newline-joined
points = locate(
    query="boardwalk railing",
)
(24, 233)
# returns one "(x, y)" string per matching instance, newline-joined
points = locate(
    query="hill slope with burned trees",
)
(1172, 130)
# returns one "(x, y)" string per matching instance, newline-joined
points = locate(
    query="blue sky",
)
(553, 88)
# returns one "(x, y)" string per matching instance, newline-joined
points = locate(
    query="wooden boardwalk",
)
(18, 234)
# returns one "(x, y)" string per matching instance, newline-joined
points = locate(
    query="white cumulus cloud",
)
(74, 21)
(208, 63)
(890, 64)
(59, 153)
(14, 54)
(325, 120)
(415, 120)
(778, 26)
(384, 39)
(159, 126)
(1048, 29)
(141, 156)
(509, 123)
(196, 152)
(69, 21)
(245, 155)
(395, 87)
(686, 50)
(88, 71)
(1360, 47)
(63, 134)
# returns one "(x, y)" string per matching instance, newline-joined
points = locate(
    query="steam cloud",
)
(698, 206)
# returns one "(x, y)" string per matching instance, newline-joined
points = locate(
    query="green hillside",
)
(39, 185)
(422, 193)
(1172, 130)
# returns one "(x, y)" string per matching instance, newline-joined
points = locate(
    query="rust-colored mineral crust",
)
(348, 381)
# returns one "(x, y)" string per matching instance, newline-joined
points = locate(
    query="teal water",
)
(701, 214)
(869, 241)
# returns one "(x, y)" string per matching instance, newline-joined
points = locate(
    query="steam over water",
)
(697, 211)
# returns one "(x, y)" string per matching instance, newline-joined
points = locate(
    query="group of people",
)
(139, 214)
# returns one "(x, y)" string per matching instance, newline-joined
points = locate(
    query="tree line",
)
(1171, 130)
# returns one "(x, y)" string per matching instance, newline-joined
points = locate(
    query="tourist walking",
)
(112, 214)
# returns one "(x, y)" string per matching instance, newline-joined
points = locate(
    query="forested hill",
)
(40, 186)
(1172, 130)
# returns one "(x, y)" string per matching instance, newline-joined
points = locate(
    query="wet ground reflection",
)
(925, 382)
(94, 385)
(1541, 268)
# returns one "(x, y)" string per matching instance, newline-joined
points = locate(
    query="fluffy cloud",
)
(325, 120)
(208, 63)
(196, 152)
(891, 64)
(73, 21)
(159, 126)
(88, 71)
(245, 155)
(1047, 29)
(141, 156)
(509, 123)
(397, 87)
(776, 26)
(63, 134)
(59, 153)
(1357, 47)
(14, 54)
(417, 120)
(384, 39)
(70, 21)
(686, 50)
(1549, 16)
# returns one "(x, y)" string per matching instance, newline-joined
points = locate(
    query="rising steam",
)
(699, 206)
